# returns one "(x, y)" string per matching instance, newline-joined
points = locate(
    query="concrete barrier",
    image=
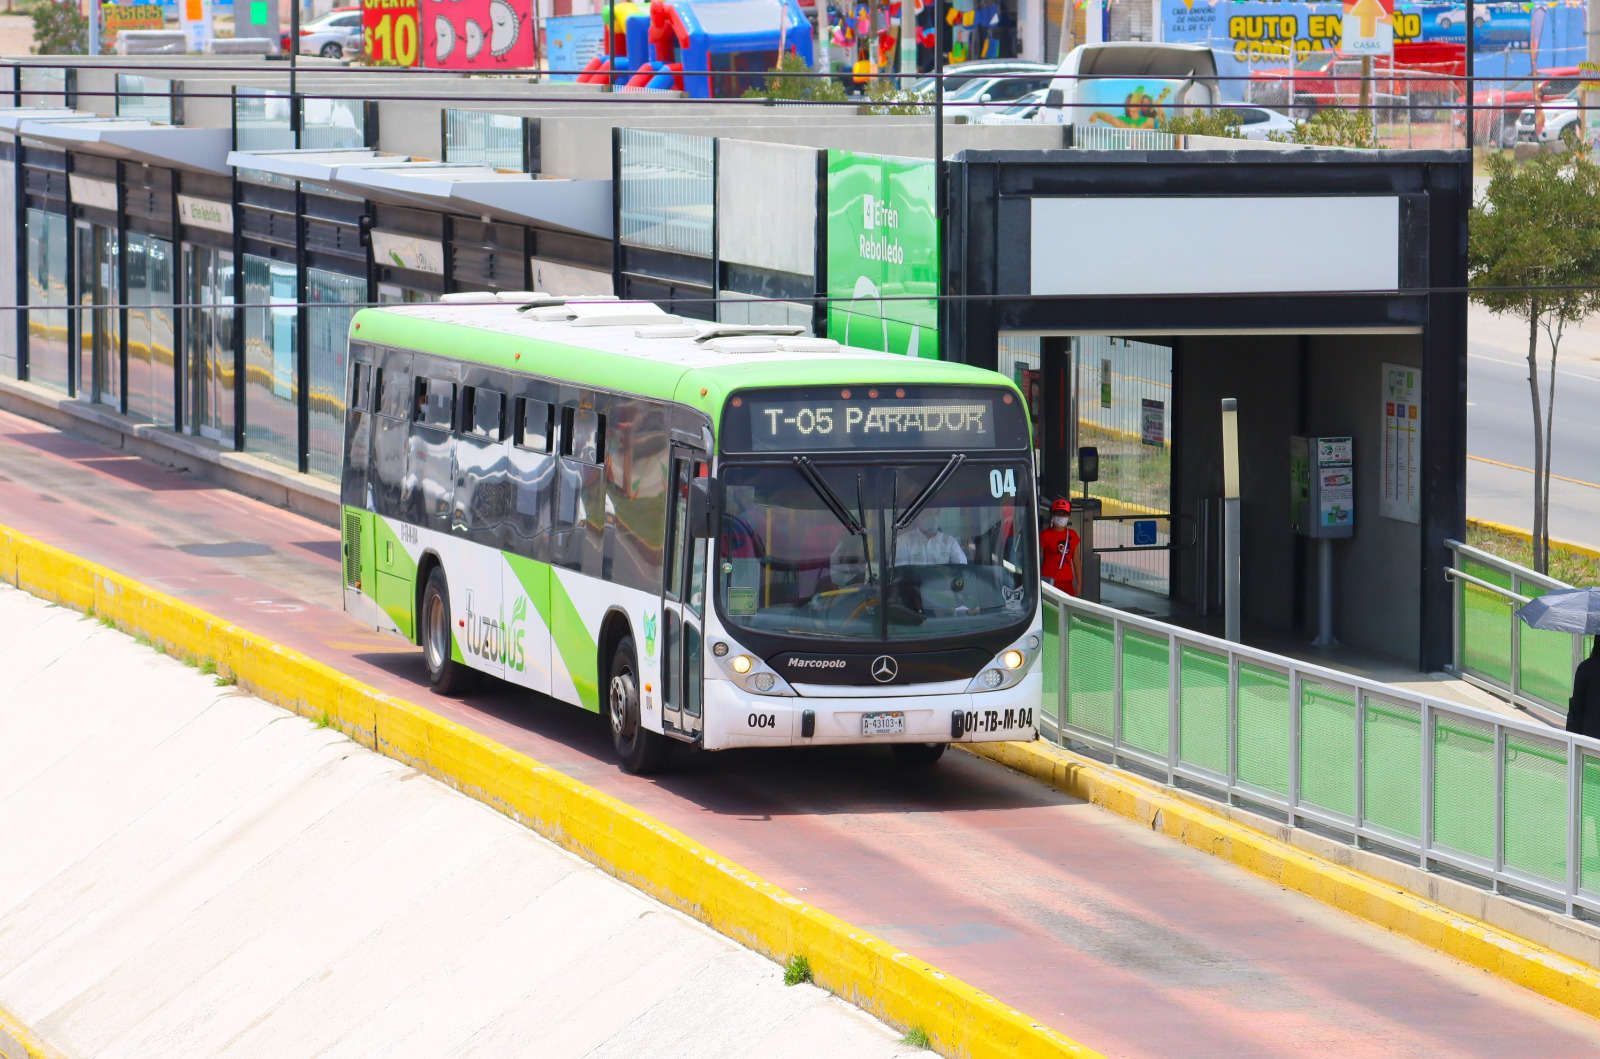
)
(151, 42)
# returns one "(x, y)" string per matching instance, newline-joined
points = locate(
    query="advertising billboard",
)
(883, 254)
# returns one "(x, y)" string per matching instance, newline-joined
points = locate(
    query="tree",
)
(790, 79)
(1333, 127)
(1534, 252)
(1201, 122)
(59, 29)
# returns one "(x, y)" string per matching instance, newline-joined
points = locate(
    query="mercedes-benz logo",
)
(884, 669)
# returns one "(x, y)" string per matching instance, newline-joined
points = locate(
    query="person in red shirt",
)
(1058, 549)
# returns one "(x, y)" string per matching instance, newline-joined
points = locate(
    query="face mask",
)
(1058, 521)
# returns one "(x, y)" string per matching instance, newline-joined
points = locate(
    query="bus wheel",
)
(917, 755)
(641, 751)
(445, 674)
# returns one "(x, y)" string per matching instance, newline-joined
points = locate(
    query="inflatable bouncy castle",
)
(726, 46)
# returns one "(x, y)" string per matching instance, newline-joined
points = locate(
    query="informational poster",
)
(573, 41)
(390, 32)
(195, 15)
(1402, 443)
(1336, 490)
(883, 254)
(1152, 422)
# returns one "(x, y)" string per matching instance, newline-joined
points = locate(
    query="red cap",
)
(1061, 507)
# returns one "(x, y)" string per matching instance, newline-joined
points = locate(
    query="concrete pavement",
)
(185, 870)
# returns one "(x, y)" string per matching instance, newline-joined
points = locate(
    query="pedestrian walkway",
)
(205, 874)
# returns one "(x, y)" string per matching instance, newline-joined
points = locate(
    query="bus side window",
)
(583, 433)
(482, 416)
(393, 390)
(436, 403)
(360, 383)
(534, 420)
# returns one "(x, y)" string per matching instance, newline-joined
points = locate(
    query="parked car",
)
(1260, 123)
(1495, 108)
(1131, 84)
(992, 73)
(1549, 122)
(332, 35)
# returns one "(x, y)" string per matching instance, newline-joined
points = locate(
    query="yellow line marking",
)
(884, 981)
(32, 1046)
(1453, 933)
(1529, 470)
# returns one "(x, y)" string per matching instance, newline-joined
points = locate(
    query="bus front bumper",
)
(735, 718)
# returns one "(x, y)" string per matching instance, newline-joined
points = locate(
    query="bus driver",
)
(922, 543)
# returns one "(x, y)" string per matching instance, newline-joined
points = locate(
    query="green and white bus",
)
(719, 535)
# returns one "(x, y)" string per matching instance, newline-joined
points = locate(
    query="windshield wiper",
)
(920, 501)
(808, 471)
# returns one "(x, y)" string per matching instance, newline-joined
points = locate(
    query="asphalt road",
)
(1500, 426)
(1102, 929)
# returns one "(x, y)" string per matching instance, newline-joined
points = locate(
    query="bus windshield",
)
(812, 550)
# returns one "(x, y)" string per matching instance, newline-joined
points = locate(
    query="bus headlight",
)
(993, 678)
(1013, 659)
(763, 681)
(1008, 668)
(741, 664)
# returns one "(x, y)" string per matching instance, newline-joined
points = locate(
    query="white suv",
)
(1559, 116)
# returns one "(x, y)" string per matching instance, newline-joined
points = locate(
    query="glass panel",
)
(487, 139)
(484, 415)
(1050, 662)
(47, 286)
(159, 277)
(1091, 676)
(261, 117)
(1146, 691)
(271, 375)
(1264, 728)
(332, 124)
(1124, 409)
(1203, 709)
(1328, 747)
(140, 96)
(533, 431)
(208, 339)
(137, 263)
(108, 322)
(1536, 807)
(1486, 624)
(1463, 786)
(1544, 658)
(334, 299)
(667, 191)
(1589, 825)
(1392, 783)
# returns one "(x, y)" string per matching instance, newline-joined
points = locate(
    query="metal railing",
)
(1492, 649)
(1510, 802)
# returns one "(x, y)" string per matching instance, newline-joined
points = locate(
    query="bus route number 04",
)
(1002, 483)
(394, 39)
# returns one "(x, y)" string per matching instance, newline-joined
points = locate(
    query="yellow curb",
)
(1517, 531)
(1502, 954)
(661, 861)
(32, 1046)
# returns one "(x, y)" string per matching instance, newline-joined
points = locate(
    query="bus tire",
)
(917, 755)
(640, 750)
(447, 676)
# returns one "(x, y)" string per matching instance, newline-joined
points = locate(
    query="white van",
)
(1131, 85)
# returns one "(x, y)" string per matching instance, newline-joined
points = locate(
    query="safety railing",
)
(1493, 649)
(1086, 137)
(1511, 802)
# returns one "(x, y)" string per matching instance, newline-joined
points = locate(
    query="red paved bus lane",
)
(1113, 935)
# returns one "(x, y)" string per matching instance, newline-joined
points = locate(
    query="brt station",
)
(235, 229)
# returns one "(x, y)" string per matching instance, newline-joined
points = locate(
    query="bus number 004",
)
(762, 720)
(395, 40)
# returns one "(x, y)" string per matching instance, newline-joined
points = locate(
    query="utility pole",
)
(908, 42)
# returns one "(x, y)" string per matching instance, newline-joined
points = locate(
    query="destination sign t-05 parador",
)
(889, 418)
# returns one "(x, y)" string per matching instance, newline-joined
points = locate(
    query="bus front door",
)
(682, 605)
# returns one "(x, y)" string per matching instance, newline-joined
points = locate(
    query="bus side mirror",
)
(704, 516)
